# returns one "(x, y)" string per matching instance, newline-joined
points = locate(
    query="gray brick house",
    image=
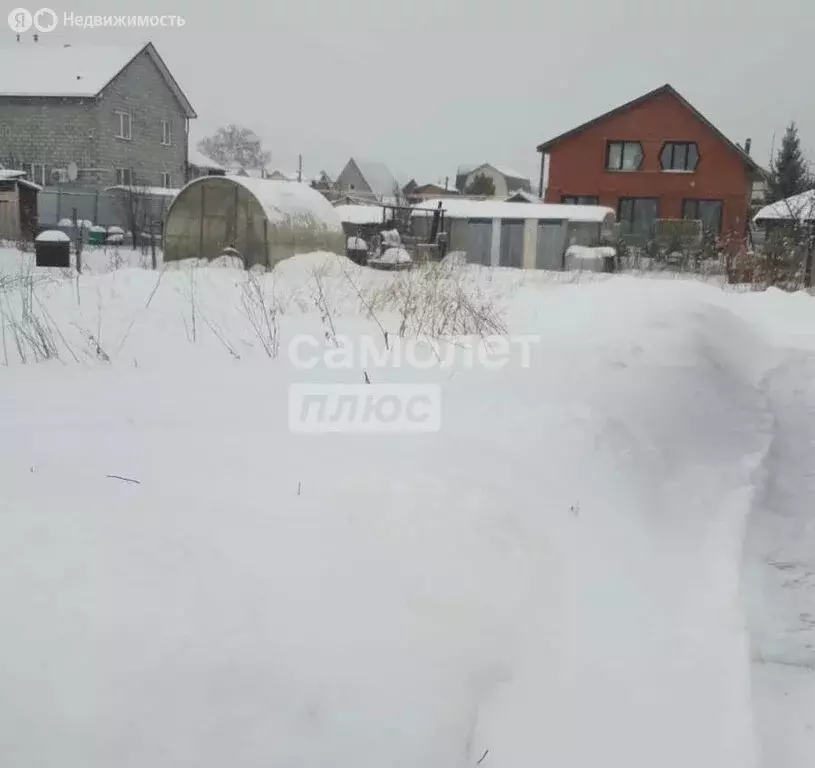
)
(92, 117)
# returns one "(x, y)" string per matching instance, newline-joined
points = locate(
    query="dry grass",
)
(437, 301)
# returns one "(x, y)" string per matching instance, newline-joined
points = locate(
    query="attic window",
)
(679, 156)
(624, 156)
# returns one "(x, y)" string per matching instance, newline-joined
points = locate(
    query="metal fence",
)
(104, 209)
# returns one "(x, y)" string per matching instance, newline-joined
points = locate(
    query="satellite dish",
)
(73, 172)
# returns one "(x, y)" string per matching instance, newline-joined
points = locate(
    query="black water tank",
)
(53, 249)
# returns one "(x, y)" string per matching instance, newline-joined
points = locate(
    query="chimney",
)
(18, 38)
(36, 38)
(747, 145)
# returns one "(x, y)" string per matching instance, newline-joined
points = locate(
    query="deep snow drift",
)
(576, 570)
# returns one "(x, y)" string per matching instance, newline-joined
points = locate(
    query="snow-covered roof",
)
(6, 174)
(152, 191)
(378, 177)
(361, 214)
(458, 208)
(529, 197)
(233, 169)
(68, 71)
(199, 159)
(38, 69)
(280, 200)
(293, 176)
(510, 173)
(796, 208)
(450, 187)
(53, 236)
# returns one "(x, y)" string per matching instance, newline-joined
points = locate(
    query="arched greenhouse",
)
(264, 220)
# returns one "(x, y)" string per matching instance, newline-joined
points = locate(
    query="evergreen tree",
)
(789, 173)
(481, 185)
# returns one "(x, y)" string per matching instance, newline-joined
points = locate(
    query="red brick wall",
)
(577, 164)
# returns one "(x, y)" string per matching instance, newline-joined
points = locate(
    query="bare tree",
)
(235, 144)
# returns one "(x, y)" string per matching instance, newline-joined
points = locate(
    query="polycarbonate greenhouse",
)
(264, 220)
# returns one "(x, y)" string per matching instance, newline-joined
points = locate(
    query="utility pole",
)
(299, 168)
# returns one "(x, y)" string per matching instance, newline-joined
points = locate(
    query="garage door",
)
(512, 244)
(477, 241)
(551, 245)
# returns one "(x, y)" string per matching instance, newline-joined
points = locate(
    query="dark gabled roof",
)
(662, 90)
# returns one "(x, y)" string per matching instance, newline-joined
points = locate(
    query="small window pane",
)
(615, 155)
(645, 214)
(693, 157)
(665, 157)
(626, 207)
(632, 156)
(689, 209)
(680, 157)
(710, 212)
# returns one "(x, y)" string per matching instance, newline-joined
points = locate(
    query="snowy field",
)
(603, 558)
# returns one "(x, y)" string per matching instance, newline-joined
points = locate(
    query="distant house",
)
(522, 196)
(436, 189)
(758, 194)
(323, 182)
(300, 176)
(506, 180)
(88, 117)
(462, 172)
(367, 180)
(199, 165)
(656, 157)
(236, 169)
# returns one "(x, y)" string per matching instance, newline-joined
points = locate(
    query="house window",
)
(124, 177)
(637, 216)
(123, 125)
(166, 133)
(579, 200)
(624, 156)
(679, 156)
(165, 180)
(37, 173)
(709, 212)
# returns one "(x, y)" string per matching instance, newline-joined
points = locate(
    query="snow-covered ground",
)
(602, 558)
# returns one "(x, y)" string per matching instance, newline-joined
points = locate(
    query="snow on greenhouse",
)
(800, 208)
(264, 220)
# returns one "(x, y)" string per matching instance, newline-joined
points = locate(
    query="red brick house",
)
(656, 157)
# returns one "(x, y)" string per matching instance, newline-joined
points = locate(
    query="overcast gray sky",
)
(425, 87)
